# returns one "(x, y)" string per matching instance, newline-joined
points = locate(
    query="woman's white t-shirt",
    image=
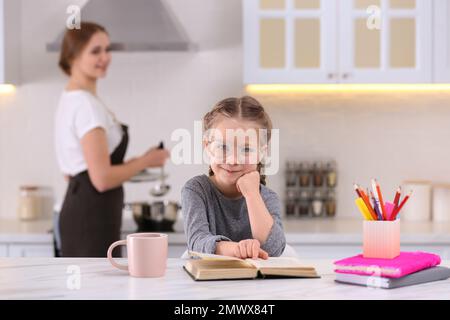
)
(78, 112)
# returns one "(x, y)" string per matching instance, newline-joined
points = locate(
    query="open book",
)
(204, 266)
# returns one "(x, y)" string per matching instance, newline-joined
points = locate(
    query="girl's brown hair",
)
(74, 42)
(246, 108)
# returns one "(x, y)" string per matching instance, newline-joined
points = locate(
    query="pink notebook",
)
(406, 263)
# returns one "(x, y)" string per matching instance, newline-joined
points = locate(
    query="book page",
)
(272, 262)
(277, 262)
(210, 256)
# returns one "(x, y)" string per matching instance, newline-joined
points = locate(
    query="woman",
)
(90, 148)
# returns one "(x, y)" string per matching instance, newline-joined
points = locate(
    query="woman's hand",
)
(248, 184)
(103, 174)
(155, 157)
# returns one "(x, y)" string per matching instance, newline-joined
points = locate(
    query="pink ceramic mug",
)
(147, 254)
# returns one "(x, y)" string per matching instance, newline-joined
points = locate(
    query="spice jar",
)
(290, 208)
(317, 204)
(304, 173)
(330, 204)
(303, 205)
(291, 174)
(290, 201)
(331, 174)
(317, 174)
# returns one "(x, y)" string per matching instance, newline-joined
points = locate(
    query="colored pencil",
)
(363, 209)
(394, 215)
(397, 197)
(375, 206)
(375, 196)
(355, 186)
(377, 190)
(367, 203)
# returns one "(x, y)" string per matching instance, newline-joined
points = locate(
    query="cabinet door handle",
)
(331, 75)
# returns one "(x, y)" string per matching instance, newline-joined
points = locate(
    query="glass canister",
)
(29, 205)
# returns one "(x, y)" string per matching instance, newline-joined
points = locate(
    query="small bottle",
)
(291, 174)
(330, 204)
(331, 174)
(304, 203)
(290, 201)
(317, 204)
(304, 173)
(318, 174)
(290, 208)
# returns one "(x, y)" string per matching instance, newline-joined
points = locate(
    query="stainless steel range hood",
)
(135, 25)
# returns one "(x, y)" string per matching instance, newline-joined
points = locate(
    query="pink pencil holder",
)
(381, 239)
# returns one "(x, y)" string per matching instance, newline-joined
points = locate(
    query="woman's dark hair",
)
(74, 42)
(246, 108)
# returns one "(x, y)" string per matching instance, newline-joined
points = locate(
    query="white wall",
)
(389, 136)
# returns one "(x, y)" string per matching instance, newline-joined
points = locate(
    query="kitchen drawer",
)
(30, 250)
(3, 250)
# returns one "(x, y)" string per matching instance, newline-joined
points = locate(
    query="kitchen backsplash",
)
(391, 136)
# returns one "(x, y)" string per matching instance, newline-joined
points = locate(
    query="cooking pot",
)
(155, 216)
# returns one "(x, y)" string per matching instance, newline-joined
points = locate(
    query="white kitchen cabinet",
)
(321, 41)
(390, 42)
(30, 250)
(287, 41)
(441, 19)
(9, 41)
(3, 250)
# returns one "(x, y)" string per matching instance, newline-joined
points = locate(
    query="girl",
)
(231, 212)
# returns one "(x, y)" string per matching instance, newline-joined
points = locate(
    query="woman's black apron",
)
(90, 221)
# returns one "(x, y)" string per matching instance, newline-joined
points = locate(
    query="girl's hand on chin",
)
(248, 183)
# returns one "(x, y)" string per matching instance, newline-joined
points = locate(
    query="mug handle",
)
(110, 258)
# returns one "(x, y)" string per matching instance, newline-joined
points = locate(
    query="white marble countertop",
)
(338, 231)
(48, 278)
